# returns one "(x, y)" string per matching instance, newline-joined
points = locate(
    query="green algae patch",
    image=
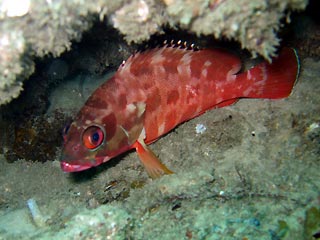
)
(311, 223)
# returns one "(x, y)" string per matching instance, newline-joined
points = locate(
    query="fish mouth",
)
(67, 167)
(77, 166)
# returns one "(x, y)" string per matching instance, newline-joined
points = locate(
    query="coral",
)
(39, 28)
(15, 65)
(252, 23)
(139, 19)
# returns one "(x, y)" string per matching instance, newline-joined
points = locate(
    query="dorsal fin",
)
(181, 44)
(165, 44)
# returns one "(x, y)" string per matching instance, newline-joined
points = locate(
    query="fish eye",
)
(93, 137)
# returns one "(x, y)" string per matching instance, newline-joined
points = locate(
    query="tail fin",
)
(271, 80)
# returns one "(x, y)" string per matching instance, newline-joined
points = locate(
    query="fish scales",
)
(176, 84)
(154, 91)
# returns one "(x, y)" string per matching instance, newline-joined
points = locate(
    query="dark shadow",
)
(89, 174)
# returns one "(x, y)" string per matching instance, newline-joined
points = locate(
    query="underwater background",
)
(246, 171)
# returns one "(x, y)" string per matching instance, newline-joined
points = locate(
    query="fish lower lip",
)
(67, 167)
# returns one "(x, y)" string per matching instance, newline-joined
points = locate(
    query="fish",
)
(156, 90)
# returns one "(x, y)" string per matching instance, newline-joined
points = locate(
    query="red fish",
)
(156, 90)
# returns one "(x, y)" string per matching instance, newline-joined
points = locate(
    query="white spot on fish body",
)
(218, 85)
(130, 108)
(259, 83)
(219, 100)
(231, 77)
(158, 58)
(264, 73)
(99, 120)
(248, 91)
(184, 64)
(106, 159)
(191, 90)
(207, 63)
(199, 108)
(249, 75)
(184, 69)
(141, 108)
(186, 59)
(159, 70)
(161, 128)
(204, 73)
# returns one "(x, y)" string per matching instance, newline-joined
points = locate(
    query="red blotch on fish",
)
(154, 91)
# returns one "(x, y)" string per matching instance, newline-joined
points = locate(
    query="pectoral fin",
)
(152, 164)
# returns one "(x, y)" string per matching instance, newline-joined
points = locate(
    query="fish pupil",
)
(95, 137)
